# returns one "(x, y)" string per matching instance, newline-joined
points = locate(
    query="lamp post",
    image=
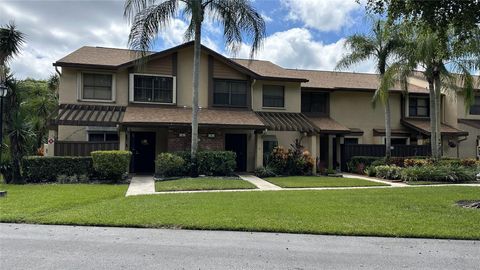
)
(3, 93)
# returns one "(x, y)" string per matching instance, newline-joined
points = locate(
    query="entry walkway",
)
(145, 185)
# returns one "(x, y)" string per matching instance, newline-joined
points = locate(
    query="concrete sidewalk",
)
(260, 183)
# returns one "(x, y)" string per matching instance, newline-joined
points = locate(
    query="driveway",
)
(63, 247)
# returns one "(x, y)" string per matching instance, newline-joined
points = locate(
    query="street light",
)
(3, 93)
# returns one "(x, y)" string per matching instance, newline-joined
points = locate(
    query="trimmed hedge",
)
(167, 165)
(358, 164)
(37, 169)
(211, 163)
(391, 172)
(436, 173)
(111, 165)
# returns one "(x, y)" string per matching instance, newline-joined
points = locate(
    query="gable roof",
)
(267, 69)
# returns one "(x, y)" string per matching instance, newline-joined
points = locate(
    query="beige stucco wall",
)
(72, 133)
(184, 79)
(461, 112)
(468, 148)
(292, 96)
(354, 110)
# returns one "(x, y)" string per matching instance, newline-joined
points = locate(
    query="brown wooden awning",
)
(88, 115)
(423, 127)
(328, 126)
(287, 122)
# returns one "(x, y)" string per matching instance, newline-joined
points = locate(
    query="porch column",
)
(313, 151)
(258, 150)
(52, 137)
(337, 145)
(123, 139)
(330, 151)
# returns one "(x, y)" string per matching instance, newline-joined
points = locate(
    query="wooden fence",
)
(72, 148)
(378, 150)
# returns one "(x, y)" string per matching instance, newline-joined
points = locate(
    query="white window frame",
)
(80, 87)
(131, 88)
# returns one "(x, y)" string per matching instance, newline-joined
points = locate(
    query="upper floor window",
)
(273, 96)
(315, 102)
(475, 108)
(97, 86)
(152, 88)
(230, 93)
(418, 106)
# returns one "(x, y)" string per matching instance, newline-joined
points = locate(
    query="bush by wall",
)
(168, 165)
(216, 163)
(266, 171)
(294, 161)
(358, 164)
(37, 169)
(438, 173)
(391, 172)
(111, 165)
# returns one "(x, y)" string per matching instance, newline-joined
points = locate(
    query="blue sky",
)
(304, 34)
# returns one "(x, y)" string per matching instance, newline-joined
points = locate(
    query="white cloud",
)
(266, 18)
(323, 15)
(296, 48)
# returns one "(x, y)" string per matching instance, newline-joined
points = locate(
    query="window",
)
(475, 108)
(153, 88)
(103, 137)
(97, 86)
(350, 141)
(419, 106)
(273, 96)
(315, 102)
(230, 93)
(268, 145)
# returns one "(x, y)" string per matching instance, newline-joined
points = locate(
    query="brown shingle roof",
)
(423, 126)
(268, 69)
(347, 80)
(99, 56)
(183, 116)
(328, 125)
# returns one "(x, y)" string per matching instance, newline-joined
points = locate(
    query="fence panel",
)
(378, 150)
(73, 148)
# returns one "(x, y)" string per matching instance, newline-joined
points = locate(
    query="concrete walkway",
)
(259, 182)
(141, 185)
(145, 185)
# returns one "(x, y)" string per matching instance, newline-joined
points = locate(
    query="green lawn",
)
(203, 183)
(400, 212)
(320, 181)
(416, 183)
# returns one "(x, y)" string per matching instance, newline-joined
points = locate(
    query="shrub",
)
(46, 169)
(167, 165)
(410, 162)
(216, 163)
(294, 161)
(391, 172)
(370, 171)
(263, 172)
(111, 165)
(438, 173)
(278, 159)
(359, 163)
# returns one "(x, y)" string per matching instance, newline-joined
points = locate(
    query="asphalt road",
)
(64, 247)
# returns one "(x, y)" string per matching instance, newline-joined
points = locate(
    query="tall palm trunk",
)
(433, 121)
(438, 102)
(388, 130)
(196, 83)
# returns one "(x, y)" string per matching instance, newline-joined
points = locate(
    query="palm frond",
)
(11, 41)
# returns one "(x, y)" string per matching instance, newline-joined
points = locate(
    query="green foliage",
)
(391, 172)
(371, 171)
(294, 161)
(216, 163)
(168, 165)
(111, 165)
(438, 173)
(358, 164)
(49, 169)
(266, 171)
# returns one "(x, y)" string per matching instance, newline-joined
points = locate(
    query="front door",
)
(238, 143)
(142, 145)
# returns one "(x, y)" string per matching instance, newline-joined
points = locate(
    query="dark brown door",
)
(142, 145)
(238, 143)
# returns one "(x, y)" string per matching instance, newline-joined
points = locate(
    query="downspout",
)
(58, 71)
(254, 81)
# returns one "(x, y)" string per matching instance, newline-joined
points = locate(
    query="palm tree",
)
(20, 134)
(10, 42)
(237, 16)
(446, 64)
(381, 45)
